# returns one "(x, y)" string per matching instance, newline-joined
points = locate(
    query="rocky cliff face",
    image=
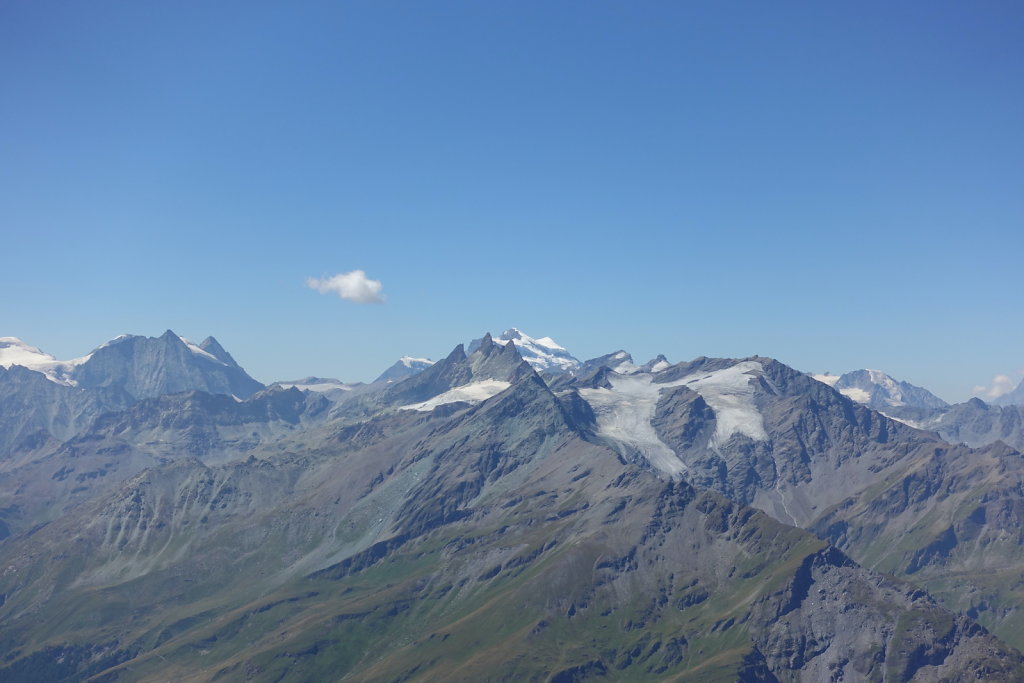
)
(145, 367)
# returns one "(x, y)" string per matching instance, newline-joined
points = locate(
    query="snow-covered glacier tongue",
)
(474, 392)
(625, 411)
(624, 415)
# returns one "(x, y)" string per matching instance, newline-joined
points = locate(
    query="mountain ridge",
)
(505, 496)
(709, 518)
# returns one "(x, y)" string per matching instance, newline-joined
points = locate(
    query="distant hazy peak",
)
(406, 366)
(827, 378)
(1013, 398)
(878, 390)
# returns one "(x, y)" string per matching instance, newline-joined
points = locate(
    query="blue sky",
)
(832, 184)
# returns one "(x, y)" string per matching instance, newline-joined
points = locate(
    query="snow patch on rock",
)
(826, 378)
(195, 348)
(856, 394)
(475, 392)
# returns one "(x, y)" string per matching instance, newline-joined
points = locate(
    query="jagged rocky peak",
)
(880, 391)
(544, 354)
(498, 361)
(656, 364)
(619, 361)
(489, 369)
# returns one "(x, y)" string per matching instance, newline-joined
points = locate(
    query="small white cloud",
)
(1001, 384)
(354, 286)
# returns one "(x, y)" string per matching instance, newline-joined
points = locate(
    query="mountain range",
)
(506, 513)
(973, 422)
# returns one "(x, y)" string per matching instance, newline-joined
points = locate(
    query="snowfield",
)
(855, 394)
(625, 411)
(730, 394)
(474, 392)
(624, 415)
(411, 362)
(13, 351)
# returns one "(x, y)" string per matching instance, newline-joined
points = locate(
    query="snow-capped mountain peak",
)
(143, 367)
(878, 390)
(406, 366)
(513, 334)
(14, 351)
(544, 353)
